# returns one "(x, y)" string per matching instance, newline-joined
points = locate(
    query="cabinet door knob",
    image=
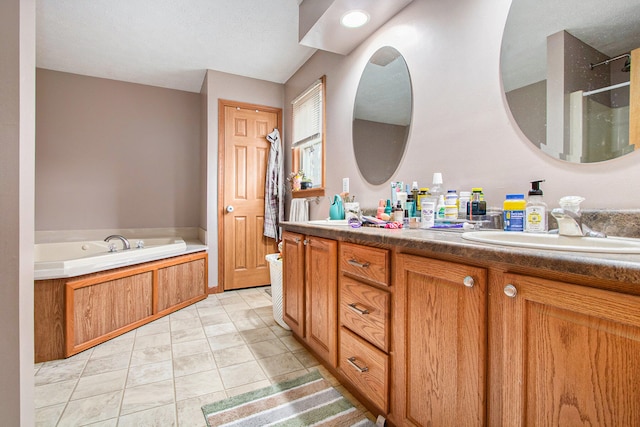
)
(354, 306)
(510, 291)
(297, 240)
(305, 242)
(468, 282)
(355, 263)
(352, 362)
(230, 208)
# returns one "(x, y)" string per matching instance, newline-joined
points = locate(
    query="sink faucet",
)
(125, 242)
(569, 223)
(570, 220)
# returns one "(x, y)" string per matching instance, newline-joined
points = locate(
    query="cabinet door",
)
(439, 323)
(182, 284)
(322, 295)
(566, 355)
(293, 282)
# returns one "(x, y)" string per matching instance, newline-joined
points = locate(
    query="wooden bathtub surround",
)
(74, 314)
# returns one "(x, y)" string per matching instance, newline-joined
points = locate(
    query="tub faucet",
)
(125, 242)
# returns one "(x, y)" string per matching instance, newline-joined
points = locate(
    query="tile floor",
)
(162, 373)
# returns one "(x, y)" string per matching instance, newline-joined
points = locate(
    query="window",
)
(308, 137)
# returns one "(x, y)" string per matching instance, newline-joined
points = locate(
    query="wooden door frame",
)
(222, 103)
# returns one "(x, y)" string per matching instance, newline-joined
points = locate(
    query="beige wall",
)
(461, 123)
(111, 154)
(17, 136)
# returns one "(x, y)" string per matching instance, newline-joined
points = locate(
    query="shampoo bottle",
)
(536, 210)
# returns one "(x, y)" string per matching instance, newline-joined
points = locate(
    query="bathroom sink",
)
(330, 222)
(615, 245)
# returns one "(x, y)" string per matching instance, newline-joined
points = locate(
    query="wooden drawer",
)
(371, 264)
(366, 367)
(365, 310)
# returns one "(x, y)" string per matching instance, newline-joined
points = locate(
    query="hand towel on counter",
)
(299, 210)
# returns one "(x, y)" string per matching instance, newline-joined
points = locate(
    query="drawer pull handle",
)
(352, 362)
(355, 263)
(353, 306)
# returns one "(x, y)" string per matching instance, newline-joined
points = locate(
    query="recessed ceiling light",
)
(354, 18)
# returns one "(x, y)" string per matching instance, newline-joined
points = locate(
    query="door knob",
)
(229, 208)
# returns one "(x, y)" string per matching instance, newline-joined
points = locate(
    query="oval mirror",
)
(382, 115)
(565, 69)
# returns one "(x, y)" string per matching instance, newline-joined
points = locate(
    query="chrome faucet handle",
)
(569, 222)
(113, 247)
(140, 244)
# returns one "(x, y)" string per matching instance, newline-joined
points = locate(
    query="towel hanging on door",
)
(274, 188)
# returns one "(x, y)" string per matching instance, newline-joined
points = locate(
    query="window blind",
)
(307, 115)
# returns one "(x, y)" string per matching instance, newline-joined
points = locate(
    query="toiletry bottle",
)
(451, 198)
(380, 210)
(463, 202)
(440, 207)
(477, 207)
(415, 190)
(536, 210)
(411, 205)
(436, 188)
(398, 212)
(402, 198)
(396, 187)
(388, 208)
(427, 214)
(513, 212)
(423, 194)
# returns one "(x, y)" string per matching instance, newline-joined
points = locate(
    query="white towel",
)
(299, 210)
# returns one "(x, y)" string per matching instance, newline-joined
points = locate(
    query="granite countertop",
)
(619, 267)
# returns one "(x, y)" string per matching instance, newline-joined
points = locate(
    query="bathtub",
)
(68, 259)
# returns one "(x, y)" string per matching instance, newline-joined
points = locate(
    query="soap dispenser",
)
(536, 210)
(336, 210)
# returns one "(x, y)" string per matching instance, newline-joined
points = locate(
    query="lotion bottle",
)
(536, 210)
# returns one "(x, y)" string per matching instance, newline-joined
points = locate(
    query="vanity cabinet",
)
(310, 275)
(455, 335)
(293, 297)
(563, 354)
(440, 343)
(365, 321)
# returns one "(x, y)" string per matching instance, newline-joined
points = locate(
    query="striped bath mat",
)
(305, 401)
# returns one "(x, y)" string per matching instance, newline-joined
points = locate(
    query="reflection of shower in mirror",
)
(625, 68)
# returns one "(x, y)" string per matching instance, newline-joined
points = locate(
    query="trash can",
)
(275, 271)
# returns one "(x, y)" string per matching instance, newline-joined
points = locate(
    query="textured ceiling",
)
(170, 43)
